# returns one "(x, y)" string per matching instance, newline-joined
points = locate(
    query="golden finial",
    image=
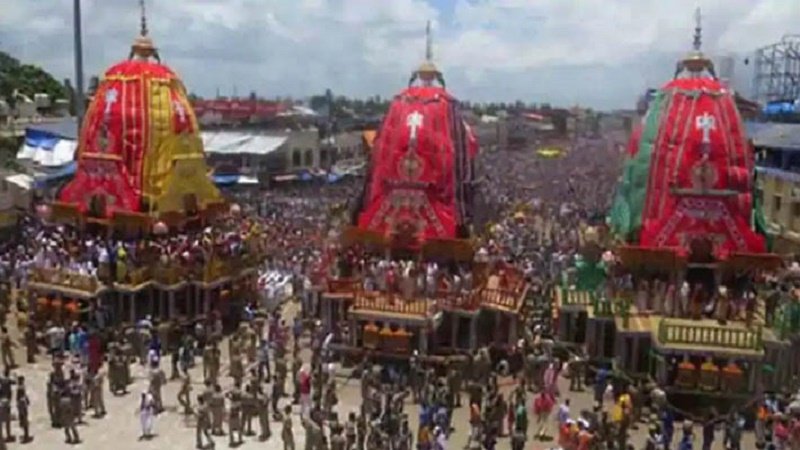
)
(696, 62)
(427, 72)
(143, 46)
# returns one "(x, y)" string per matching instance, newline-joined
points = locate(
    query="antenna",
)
(143, 30)
(698, 29)
(428, 43)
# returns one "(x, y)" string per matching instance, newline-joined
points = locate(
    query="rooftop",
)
(784, 136)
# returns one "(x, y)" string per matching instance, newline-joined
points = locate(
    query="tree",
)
(26, 79)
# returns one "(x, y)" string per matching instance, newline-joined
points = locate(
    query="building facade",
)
(778, 182)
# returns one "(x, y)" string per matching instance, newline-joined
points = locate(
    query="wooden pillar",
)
(354, 332)
(563, 317)
(132, 302)
(151, 302)
(197, 298)
(754, 369)
(512, 330)
(423, 340)
(661, 369)
(323, 314)
(171, 301)
(455, 322)
(473, 332)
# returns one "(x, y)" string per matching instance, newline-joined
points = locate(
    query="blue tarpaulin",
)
(49, 144)
(233, 179)
(225, 180)
(782, 107)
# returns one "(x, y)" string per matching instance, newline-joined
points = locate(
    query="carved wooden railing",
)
(138, 276)
(506, 298)
(168, 274)
(603, 307)
(65, 278)
(670, 332)
(391, 303)
(470, 301)
(571, 297)
(214, 269)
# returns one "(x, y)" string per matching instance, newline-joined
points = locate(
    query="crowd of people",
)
(278, 369)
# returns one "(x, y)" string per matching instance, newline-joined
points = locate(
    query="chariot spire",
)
(143, 46)
(696, 63)
(427, 72)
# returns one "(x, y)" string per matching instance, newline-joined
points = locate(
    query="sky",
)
(597, 53)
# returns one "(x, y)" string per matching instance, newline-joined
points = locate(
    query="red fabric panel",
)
(414, 190)
(101, 177)
(181, 113)
(671, 220)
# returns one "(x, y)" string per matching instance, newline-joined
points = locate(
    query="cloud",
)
(597, 52)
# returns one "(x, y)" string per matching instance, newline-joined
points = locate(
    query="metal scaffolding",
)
(777, 71)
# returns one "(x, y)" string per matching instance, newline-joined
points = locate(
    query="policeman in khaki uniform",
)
(263, 418)
(235, 417)
(96, 394)
(208, 355)
(68, 418)
(23, 405)
(249, 410)
(217, 406)
(203, 423)
(287, 433)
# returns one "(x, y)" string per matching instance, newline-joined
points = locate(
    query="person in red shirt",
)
(305, 391)
(542, 408)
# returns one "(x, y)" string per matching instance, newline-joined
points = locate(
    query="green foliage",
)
(8, 153)
(27, 79)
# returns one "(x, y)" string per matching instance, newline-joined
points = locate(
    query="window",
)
(323, 157)
(776, 204)
(296, 158)
(309, 160)
(795, 209)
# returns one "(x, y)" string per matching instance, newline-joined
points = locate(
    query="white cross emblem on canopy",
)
(111, 98)
(706, 123)
(414, 122)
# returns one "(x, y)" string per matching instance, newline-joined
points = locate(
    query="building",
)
(225, 111)
(778, 181)
(266, 155)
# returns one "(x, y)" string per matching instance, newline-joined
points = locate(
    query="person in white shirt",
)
(55, 337)
(147, 414)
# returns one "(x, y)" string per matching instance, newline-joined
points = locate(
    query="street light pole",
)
(79, 102)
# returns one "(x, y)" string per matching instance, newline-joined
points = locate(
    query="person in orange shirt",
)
(585, 437)
(567, 435)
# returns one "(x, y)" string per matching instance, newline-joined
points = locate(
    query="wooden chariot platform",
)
(645, 344)
(441, 323)
(162, 291)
